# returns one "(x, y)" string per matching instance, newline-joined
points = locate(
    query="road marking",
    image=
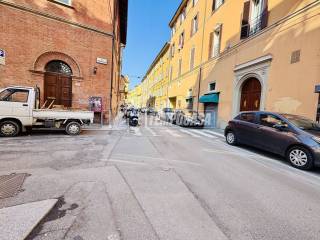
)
(185, 162)
(127, 162)
(136, 131)
(203, 134)
(237, 153)
(172, 133)
(137, 156)
(190, 133)
(152, 132)
(214, 133)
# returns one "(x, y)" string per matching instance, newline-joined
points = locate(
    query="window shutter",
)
(210, 45)
(245, 26)
(265, 15)
(197, 22)
(246, 12)
(192, 55)
(213, 5)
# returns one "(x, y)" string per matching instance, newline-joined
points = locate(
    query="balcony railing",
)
(254, 26)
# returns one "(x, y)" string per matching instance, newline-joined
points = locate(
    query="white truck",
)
(20, 110)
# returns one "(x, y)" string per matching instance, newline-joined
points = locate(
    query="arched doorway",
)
(58, 83)
(250, 95)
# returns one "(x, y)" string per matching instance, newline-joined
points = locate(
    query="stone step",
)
(17, 222)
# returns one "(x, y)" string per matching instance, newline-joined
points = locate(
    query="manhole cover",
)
(10, 185)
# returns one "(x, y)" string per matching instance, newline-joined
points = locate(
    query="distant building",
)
(123, 90)
(135, 96)
(154, 85)
(70, 49)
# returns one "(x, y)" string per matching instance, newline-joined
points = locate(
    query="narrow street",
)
(159, 181)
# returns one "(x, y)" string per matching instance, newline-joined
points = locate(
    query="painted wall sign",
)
(2, 57)
(102, 61)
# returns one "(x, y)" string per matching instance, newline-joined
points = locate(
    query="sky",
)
(148, 31)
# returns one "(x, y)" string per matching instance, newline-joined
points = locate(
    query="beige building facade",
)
(230, 56)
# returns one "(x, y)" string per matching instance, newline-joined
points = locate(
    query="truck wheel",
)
(9, 129)
(73, 128)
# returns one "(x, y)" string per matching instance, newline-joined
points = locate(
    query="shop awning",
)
(210, 98)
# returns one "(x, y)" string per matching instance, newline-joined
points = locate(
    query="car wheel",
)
(73, 128)
(9, 129)
(300, 158)
(231, 138)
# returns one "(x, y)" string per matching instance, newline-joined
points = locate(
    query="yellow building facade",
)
(156, 81)
(227, 56)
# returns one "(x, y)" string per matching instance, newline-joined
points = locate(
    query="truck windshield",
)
(14, 95)
(4, 94)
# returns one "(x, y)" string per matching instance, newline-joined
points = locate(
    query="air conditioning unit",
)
(228, 46)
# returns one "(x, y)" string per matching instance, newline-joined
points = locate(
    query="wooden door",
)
(58, 87)
(250, 95)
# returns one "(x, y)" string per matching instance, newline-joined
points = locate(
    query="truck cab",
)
(17, 103)
(20, 109)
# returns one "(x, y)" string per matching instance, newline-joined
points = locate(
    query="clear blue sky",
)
(148, 30)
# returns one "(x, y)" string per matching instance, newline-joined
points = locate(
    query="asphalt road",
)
(159, 181)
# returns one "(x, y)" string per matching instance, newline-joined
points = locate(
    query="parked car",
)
(151, 111)
(193, 121)
(166, 114)
(178, 116)
(294, 137)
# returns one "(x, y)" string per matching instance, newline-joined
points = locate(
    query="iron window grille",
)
(253, 27)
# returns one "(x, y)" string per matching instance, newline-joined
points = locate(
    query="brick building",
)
(70, 49)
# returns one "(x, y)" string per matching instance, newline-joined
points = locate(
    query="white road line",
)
(172, 133)
(153, 133)
(136, 131)
(127, 162)
(119, 155)
(237, 153)
(203, 134)
(214, 133)
(190, 133)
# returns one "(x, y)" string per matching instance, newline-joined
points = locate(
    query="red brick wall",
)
(31, 40)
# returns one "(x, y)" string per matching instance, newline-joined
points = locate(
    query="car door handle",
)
(25, 105)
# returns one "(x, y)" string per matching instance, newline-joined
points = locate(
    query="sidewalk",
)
(217, 131)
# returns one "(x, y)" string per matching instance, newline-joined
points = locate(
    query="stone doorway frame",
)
(259, 69)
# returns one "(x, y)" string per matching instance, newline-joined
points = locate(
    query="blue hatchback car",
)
(294, 137)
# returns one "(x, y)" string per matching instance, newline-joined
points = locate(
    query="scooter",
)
(133, 118)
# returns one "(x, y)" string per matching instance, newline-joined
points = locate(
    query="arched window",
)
(58, 67)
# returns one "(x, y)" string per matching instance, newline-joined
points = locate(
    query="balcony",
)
(253, 27)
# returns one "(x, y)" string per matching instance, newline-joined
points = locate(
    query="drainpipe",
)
(201, 61)
(199, 86)
(169, 76)
(112, 59)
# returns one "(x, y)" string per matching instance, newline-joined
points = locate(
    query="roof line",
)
(178, 11)
(160, 54)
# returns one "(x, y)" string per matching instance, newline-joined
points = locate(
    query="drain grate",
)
(10, 185)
